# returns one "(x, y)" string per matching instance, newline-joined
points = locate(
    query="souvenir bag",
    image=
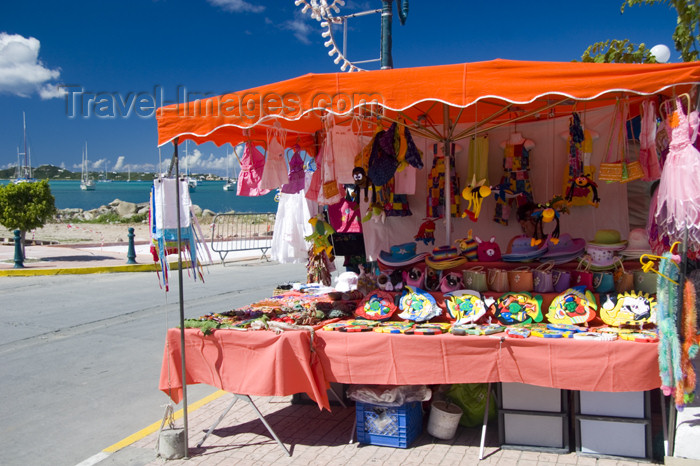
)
(574, 306)
(620, 171)
(624, 280)
(542, 280)
(414, 277)
(465, 307)
(603, 282)
(644, 282)
(582, 276)
(517, 308)
(330, 191)
(561, 280)
(629, 308)
(451, 281)
(488, 251)
(474, 279)
(520, 279)
(498, 280)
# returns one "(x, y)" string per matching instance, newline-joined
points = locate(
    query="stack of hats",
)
(520, 249)
(637, 244)
(401, 255)
(444, 257)
(567, 249)
(604, 248)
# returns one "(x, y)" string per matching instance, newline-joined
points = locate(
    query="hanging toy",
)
(426, 232)
(375, 210)
(546, 213)
(468, 247)
(581, 187)
(322, 231)
(361, 181)
(474, 194)
(685, 388)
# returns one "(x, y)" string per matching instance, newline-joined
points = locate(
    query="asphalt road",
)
(81, 354)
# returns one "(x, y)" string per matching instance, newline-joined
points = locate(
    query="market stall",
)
(554, 134)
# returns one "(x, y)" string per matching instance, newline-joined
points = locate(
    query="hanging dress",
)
(296, 174)
(515, 181)
(678, 205)
(346, 144)
(252, 166)
(275, 174)
(648, 157)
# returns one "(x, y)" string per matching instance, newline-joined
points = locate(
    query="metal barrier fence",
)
(242, 232)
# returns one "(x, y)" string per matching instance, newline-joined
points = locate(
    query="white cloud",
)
(21, 71)
(299, 27)
(237, 6)
(99, 164)
(119, 163)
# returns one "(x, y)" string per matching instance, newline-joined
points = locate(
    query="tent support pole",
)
(175, 163)
(448, 175)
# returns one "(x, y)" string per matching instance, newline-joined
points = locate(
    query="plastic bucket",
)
(444, 419)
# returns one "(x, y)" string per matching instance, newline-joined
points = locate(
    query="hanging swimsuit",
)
(515, 181)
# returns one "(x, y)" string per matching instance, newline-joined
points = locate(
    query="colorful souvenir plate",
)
(418, 305)
(424, 331)
(334, 326)
(630, 308)
(644, 337)
(518, 332)
(565, 328)
(573, 306)
(377, 305)
(550, 333)
(475, 329)
(465, 306)
(595, 336)
(355, 328)
(391, 329)
(517, 308)
(366, 323)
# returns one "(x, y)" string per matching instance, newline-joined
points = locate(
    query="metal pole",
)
(131, 252)
(386, 62)
(448, 175)
(176, 166)
(19, 257)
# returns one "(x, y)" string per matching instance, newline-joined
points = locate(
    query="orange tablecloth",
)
(260, 363)
(394, 359)
(263, 363)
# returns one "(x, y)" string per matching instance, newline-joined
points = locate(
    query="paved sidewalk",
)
(322, 438)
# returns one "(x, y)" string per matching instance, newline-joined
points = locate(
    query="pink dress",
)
(296, 175)
(678, 208)
(252, 166)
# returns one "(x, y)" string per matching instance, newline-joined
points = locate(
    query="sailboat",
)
(128, 177)
(24, 167)
(86, 183)
(230, 184)
(191, 182)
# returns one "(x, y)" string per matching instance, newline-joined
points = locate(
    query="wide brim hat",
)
(609, 239)
(444, 257)
(401, 255)
(520, 249)
(566, 247)
(637, 244)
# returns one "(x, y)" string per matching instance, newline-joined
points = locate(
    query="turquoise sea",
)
(208, 195)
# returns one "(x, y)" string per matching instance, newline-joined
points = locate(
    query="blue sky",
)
(158, 48)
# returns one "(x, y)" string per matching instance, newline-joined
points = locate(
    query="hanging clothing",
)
(329, 190)
(296, 174)
(435, 205)
(678, 209)
(514, 183)
(648, 156)
(275, 174)
(344, 217)
(291, 226)
(252, 166)
(345, 145)
(479, 159)
(405, 180)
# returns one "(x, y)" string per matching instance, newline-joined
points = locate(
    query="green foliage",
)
(686, 36)
(617, 51)
(26, 206)
(113, 217)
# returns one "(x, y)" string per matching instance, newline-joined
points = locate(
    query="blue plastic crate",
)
(388, 427)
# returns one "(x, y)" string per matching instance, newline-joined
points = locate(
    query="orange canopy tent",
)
(432, 99)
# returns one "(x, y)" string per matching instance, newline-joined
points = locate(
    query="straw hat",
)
(638, 244)
(401, 255)
(608, 239)
(445, 257)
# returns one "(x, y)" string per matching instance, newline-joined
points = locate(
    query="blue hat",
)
(400, 255)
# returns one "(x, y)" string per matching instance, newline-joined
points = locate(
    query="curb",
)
(29, 272)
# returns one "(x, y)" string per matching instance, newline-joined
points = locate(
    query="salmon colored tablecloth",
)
(263, 363)
(260, 363)
(395, 359)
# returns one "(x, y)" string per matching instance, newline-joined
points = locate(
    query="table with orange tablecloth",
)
(266, 364)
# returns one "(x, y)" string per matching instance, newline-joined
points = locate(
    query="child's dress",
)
(678, 208)
(252, 166)
(275, 174)
(296, 175)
